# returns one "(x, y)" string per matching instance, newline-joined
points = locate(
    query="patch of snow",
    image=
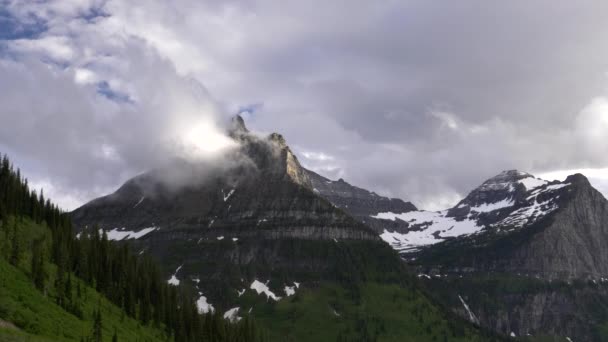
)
(487, 207)
(260, 287)
(210, 223)
(296, 284)
(532, 183)
(290, 290)
(513, 334)
(241, 292)
(226, 197)
(424, 275)
(140, 200)
(336, 313)
(466, 307)
(196, 280)
(231, 315)
(173, 280)
(203, 306)
(438, 227)
(118, 235)
(568, 339)
(220, 238)
(78, 235)
(235, 239)
(557, 186)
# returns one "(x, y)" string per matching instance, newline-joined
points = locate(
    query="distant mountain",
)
(250, 235)
(361, 204)
(518, 254)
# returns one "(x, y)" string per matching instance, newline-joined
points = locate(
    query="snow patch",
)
(118, 235)
(532, 183)
(173, 280)
(436, 227)
(204, 307)
(466, 307)
(220, 238)
(231, 315)
(227, 196)
(235, 239)
(487, 207)
(140, 200)
(260, 287)
(291, 290)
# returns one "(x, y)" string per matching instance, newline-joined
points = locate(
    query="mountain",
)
(518, 254)
(361, 204)
(250, 235)
(58, 288)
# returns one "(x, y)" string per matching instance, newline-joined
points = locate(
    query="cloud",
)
(415, 99)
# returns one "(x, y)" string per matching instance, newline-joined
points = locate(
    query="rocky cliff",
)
(527, 256)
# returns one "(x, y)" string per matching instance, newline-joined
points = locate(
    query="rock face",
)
(251, 215)
(530, 256)
(359, 203)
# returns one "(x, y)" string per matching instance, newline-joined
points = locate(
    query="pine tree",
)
(39, 274)
(15, 246)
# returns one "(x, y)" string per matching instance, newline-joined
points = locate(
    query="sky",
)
(421, 100)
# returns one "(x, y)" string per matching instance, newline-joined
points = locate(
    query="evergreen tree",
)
(39, 274)
(15, 246)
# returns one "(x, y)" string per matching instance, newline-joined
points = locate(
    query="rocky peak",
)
(278, 139)
(237, 127)
(578, 179)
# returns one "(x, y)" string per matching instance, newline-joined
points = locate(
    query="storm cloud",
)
(417, 99)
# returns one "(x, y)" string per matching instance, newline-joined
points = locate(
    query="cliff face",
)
(252, 215)
(574, 244)
(537, 264)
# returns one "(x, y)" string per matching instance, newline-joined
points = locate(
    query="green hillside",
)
(34, 313)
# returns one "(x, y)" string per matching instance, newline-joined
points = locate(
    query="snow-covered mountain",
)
(504, 203)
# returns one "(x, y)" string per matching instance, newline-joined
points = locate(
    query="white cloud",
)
(426, 117)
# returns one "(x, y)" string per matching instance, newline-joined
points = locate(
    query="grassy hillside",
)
(36, 313)
(374, 312)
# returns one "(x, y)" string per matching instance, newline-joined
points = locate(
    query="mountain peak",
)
(278, 138)
(577, 178)
(237, 126)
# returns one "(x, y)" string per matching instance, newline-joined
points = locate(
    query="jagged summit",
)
(237, 128)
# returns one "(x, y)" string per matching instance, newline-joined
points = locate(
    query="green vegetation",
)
(372, 312)
(88, 289)
(35, 313)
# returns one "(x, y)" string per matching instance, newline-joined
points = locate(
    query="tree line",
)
(130, 281)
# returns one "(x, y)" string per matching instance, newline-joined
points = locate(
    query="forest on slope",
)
(58, 287)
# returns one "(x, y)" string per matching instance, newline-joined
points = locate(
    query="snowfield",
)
(428, 227)
(118, 235)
